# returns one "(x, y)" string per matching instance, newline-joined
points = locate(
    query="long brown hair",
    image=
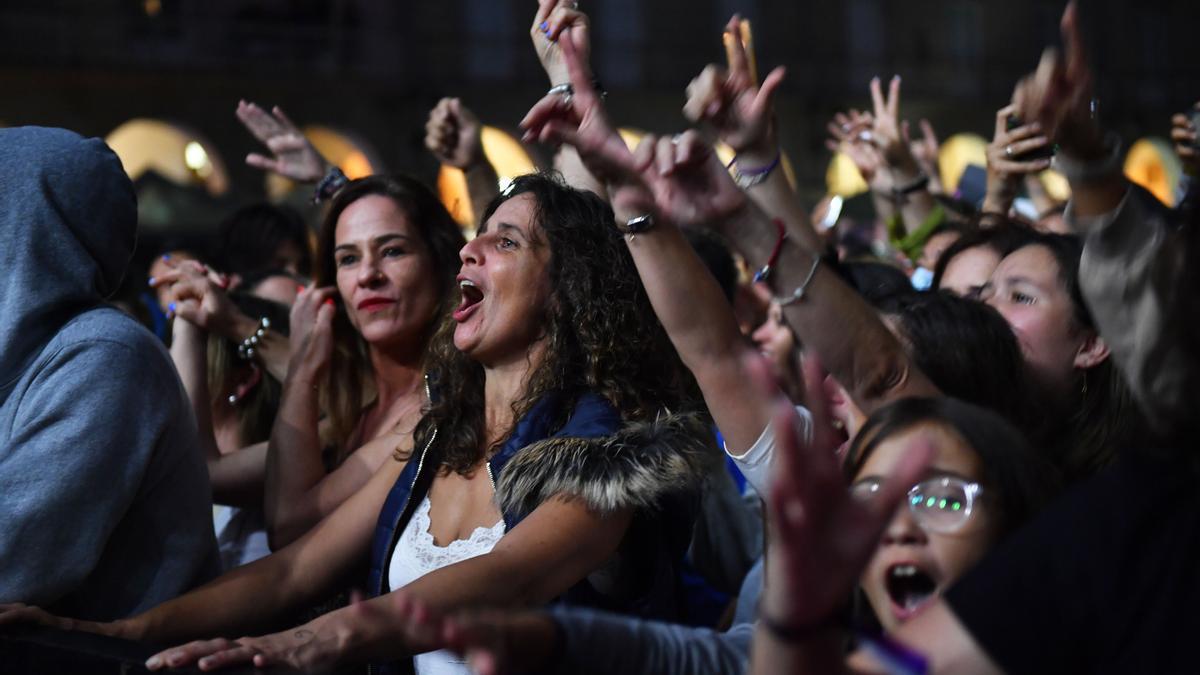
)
(600, 330)
(343, 392)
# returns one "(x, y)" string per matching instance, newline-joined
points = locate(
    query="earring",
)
(233, 399)
(1083, 393)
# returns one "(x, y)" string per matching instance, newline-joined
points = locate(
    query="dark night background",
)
(374, 68)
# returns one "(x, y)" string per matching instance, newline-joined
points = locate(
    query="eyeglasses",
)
(942, 504)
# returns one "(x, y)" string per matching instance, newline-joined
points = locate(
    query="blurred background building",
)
(161, 78)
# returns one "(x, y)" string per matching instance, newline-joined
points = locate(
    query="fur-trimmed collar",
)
(637, 467)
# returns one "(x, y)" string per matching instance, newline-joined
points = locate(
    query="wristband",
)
(751, 177)
(764, 272)
(921, 182)
(333, 181)
(793, 634)
(1084, 173)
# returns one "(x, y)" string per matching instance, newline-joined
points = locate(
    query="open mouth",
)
(909, 587)
(471, 297)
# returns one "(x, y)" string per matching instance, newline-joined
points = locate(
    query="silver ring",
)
(1008, 151)
(676, 138)
(572, 5)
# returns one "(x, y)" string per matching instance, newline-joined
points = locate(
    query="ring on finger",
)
(571, 4)
(1008, 151)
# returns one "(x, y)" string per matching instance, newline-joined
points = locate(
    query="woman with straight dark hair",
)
(387, 256)
(1036, 288)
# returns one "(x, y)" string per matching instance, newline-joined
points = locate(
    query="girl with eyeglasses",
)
(983, 481)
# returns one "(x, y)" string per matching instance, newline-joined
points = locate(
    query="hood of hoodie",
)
(68, 225)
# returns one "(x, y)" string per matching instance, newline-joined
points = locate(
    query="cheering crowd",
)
(654, 416)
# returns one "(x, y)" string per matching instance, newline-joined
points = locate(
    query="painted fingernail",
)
(329, 302)
(154, 662)
(150, 281)
(545, 26)
(166, 257)
(171, 308)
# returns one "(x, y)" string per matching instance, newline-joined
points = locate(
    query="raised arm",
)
(292, 155)
(872, 366)
(820, 539)
(686, 298)
(1009, 159)
(741, 113)
(453, 135)
(556, 22)
(910, 185)
(1135, 262)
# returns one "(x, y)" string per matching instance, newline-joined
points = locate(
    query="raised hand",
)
(736, 107)
(684, 180)
(1006, 165)
(1184, 134)
(553, 20)
(292, 155)
(1059, 95)
(850, 133)
(887, 132)
(821, 537)
(452, 134)
(578, 118)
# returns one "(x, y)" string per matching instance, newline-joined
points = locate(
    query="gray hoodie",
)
(104, 497)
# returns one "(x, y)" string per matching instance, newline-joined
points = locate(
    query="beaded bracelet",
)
(246, 348)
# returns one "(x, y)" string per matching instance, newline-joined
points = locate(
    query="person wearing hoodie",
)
(104, 495)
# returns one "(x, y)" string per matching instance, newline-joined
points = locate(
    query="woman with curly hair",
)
(518, 490)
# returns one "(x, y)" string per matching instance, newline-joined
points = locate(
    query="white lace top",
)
(416, 555)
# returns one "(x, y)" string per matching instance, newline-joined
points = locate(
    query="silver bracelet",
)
(798, 294)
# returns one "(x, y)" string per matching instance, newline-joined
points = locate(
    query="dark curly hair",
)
(601, 333)
(344, 393)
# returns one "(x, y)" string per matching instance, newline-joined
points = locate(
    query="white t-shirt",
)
(755, 463)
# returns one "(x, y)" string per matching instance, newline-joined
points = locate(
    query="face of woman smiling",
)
(384, 273)
(912, 565)
(505, 286)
